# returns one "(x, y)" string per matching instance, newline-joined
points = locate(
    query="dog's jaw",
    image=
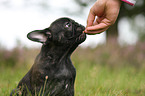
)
(81, 38)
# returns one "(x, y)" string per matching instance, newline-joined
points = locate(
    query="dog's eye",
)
(67, 24)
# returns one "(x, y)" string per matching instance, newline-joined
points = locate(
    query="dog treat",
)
(53, 73)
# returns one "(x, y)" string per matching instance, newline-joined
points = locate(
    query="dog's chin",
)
(81, 38)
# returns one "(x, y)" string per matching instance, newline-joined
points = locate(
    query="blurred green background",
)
(115, 67)
(107, 70)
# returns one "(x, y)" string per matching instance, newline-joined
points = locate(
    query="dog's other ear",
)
(39, 35)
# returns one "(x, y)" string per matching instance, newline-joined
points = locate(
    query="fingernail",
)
(85, 31)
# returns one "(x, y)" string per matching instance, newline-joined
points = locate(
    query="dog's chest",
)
(65, 71)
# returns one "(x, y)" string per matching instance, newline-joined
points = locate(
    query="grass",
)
(9, 78)
(104, 71)
(101, 81)
(90, 81)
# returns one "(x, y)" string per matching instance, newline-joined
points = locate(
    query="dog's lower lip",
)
(84, 31)
(83, 34)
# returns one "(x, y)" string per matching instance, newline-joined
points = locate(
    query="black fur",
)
(53, 73)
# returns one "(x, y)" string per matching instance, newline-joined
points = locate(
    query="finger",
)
(99, 19)
(96, 32)
(96, 22)
(91, 18)
(97, 27)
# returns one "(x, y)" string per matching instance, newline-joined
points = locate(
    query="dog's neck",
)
(56, 53)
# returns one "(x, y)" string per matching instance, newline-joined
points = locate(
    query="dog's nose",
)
(81, 28)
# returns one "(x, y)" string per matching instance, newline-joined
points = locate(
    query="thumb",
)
(91, 18)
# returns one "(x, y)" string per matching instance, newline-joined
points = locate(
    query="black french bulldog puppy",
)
(53, 73)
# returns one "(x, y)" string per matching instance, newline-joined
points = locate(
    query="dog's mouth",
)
(81, 35)
(81, 38)
(77, 30)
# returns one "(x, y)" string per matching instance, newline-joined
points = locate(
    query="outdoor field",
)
(103, 71)
(108, 64)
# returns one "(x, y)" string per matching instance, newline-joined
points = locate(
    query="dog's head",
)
(61, 31)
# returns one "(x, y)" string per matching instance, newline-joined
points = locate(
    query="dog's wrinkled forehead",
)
(61, 22)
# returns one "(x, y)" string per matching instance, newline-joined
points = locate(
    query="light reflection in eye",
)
(67, 24)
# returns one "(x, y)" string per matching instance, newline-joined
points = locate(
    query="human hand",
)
(106, 11)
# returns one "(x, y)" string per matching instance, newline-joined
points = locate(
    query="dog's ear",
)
(39, 35)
